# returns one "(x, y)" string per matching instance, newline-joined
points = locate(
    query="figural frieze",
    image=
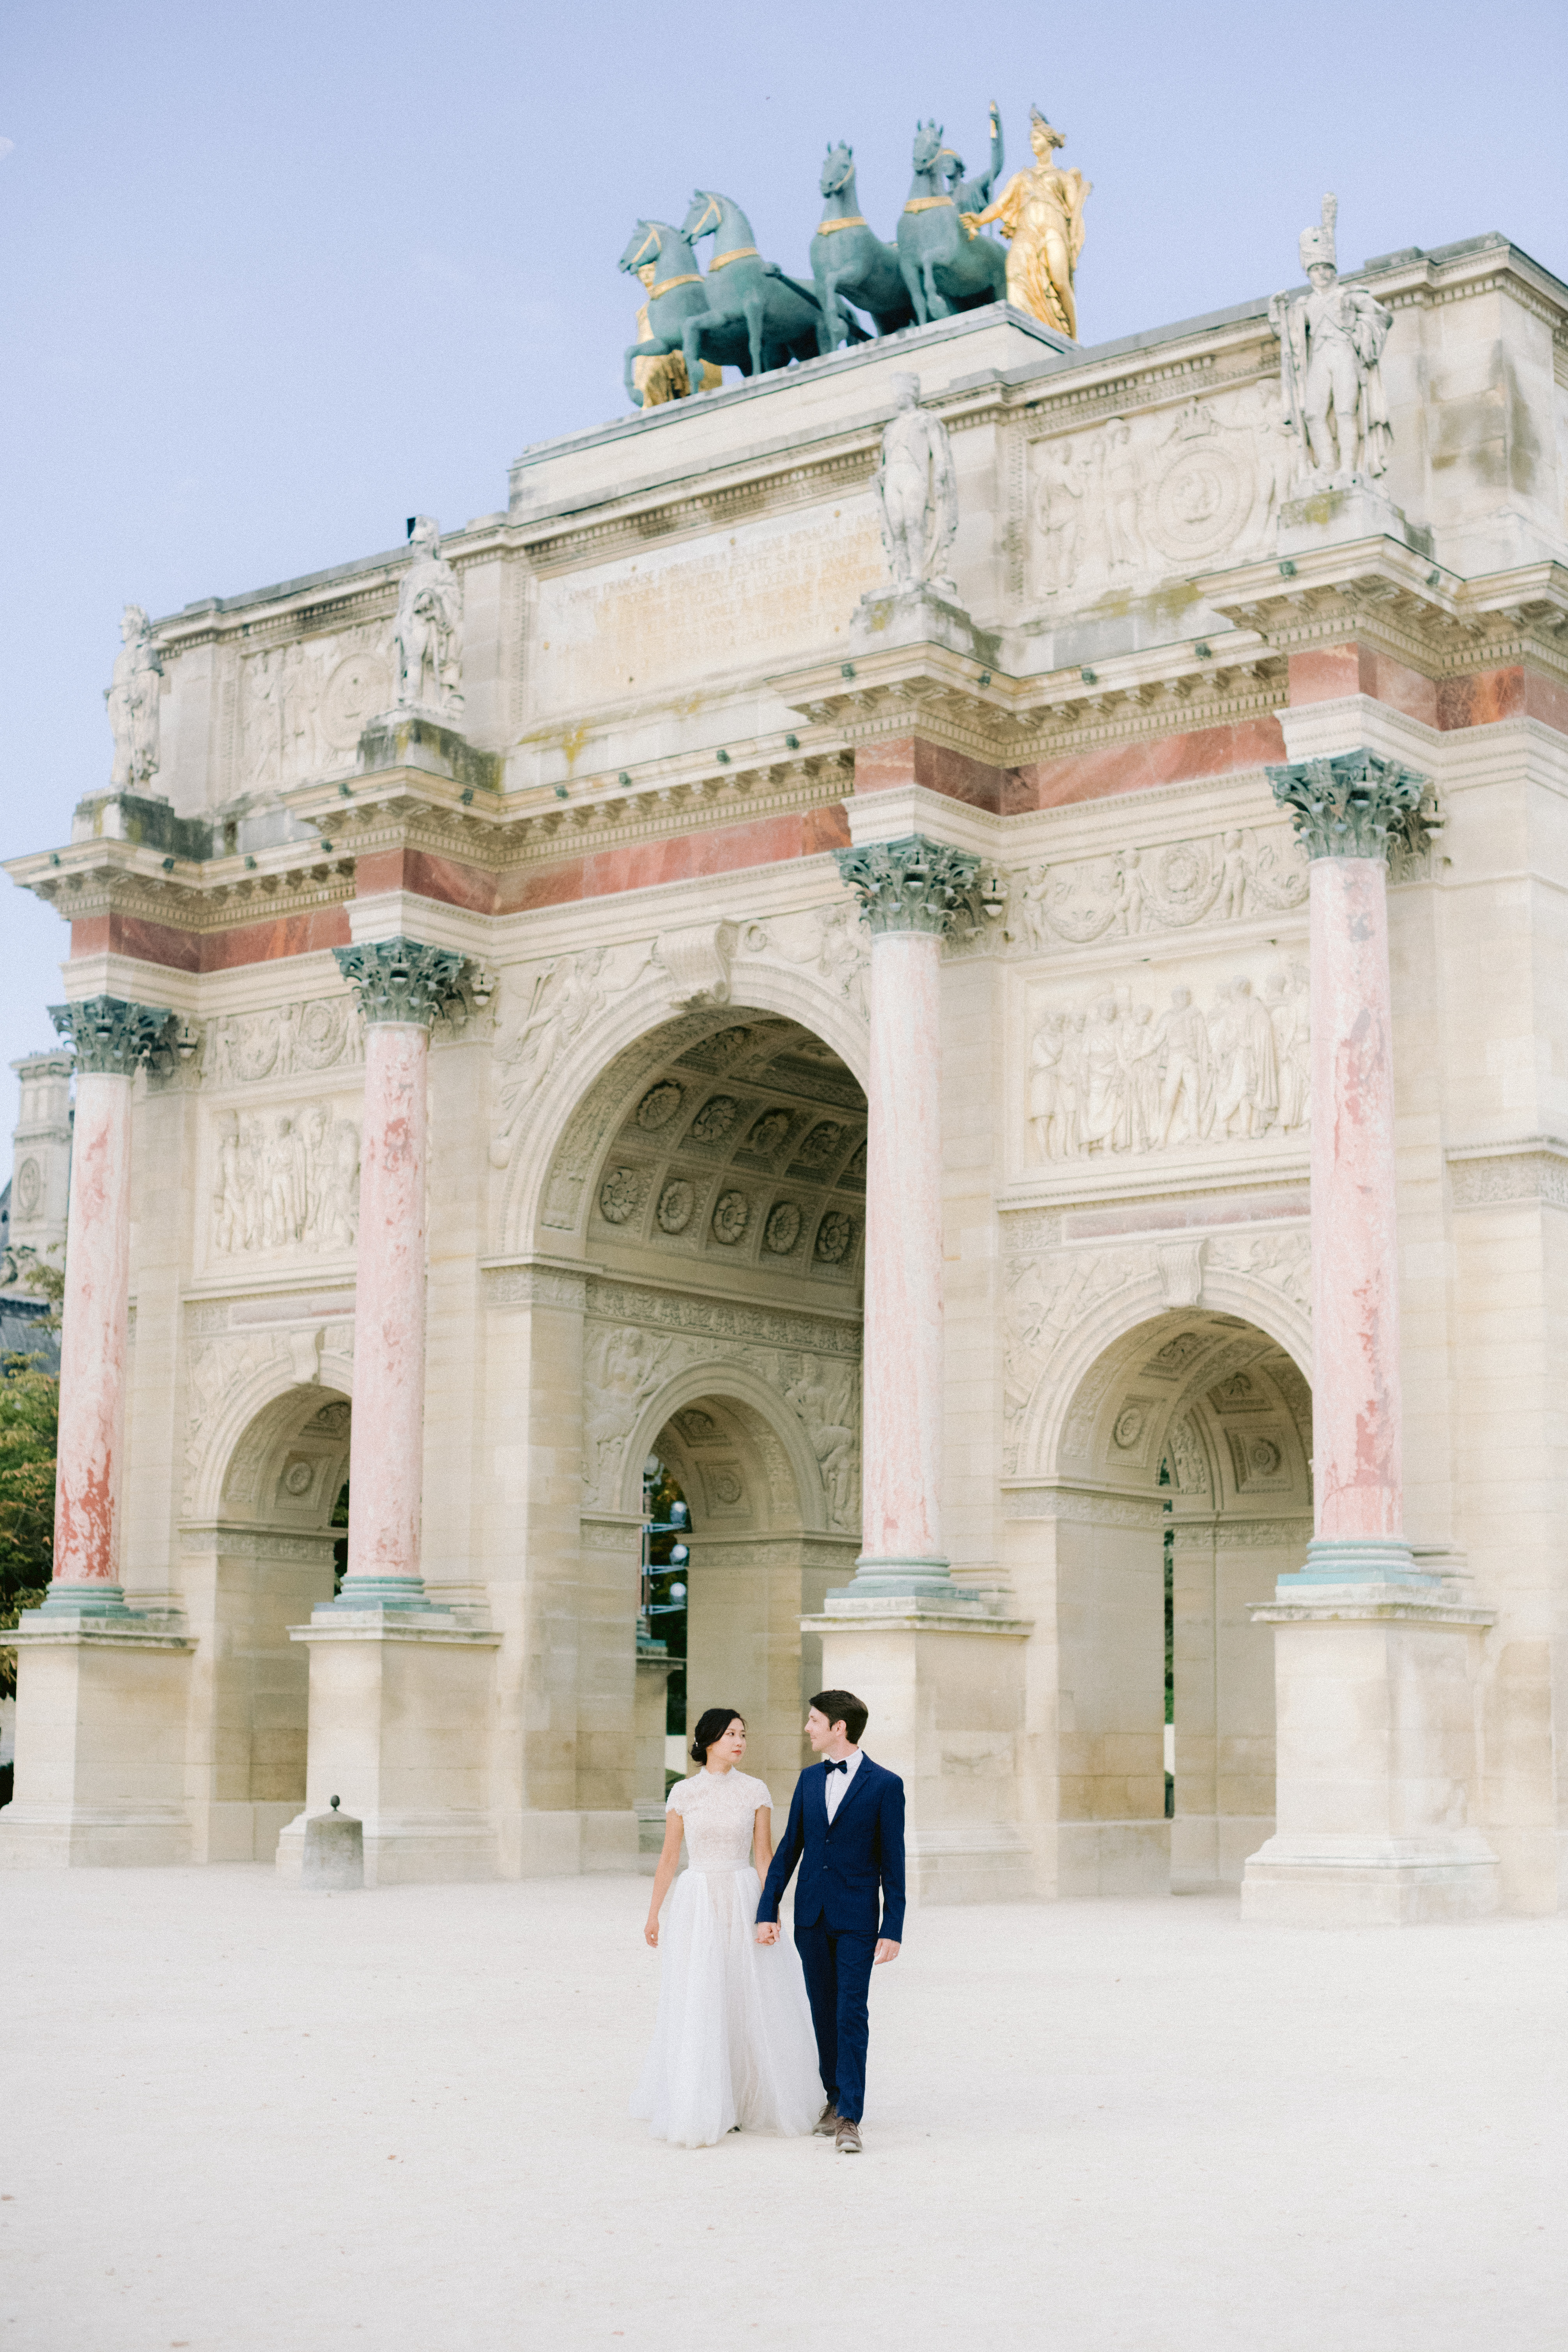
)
(1172, 885)
(324, 1034)
(285, 1181)
(1113, 1075)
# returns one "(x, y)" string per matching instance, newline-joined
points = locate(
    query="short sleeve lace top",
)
(718, 1809)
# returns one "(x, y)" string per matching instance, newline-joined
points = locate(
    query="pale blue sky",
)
(275, 278)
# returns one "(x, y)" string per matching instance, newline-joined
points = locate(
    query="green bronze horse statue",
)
(851, 262)
(945, 268)
(755, 318)
(675, 295)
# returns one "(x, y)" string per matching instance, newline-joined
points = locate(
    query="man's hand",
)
(768, 1932)
(886, 1949)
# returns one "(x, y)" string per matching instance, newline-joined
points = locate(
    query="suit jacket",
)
(844, 1862)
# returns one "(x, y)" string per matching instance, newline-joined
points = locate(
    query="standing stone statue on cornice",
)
(132, 699)
(1330, 346)
(917, 495)
(427, 634)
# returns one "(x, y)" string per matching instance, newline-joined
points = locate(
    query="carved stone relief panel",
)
(283, 1181)
(556, 1001)
(636, 1339)
(1169, 886)
(302, 704)
(322, 1034)
(1145, 498)
(1224, 1060)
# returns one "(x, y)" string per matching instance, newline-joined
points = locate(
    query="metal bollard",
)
(334, 1851)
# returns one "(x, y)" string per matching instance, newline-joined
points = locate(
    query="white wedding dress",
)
(733, 2043)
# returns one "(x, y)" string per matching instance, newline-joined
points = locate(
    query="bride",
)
(733, 2047)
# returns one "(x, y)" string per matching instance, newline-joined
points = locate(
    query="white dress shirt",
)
(838, 1783)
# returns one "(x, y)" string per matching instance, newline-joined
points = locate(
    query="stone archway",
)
(1181, 1462)
(258, 1565)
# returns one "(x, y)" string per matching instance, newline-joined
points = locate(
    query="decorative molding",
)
(1241, 872)
(1490, 1176)
(536, 1285)
(1089, 1506)
(612, 1301)
(204, 1536)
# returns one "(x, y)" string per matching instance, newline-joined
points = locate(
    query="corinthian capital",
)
(912, 884)
(1347, 806)
(109, 1033)
(398, 980)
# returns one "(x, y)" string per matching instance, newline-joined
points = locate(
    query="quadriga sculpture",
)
(945, 268)
(675, 295)
(755, 317)
(851, 262)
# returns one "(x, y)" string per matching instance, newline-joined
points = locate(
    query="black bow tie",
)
(843, 1768)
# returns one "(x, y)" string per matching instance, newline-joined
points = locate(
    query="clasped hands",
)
(768, 1932)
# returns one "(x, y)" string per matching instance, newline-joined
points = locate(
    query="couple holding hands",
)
(752, 2036)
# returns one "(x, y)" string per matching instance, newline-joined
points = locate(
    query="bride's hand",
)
(650, 1933)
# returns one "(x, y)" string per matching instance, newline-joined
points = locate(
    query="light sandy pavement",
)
(243, 2118)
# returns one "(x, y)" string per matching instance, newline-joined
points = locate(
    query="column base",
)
(899, 1579)
(1307, 1881)
(102, 1702)
(399, 1731)
(378, 1596)
(944, 1683)
(1359, 1560)
(84, 1605)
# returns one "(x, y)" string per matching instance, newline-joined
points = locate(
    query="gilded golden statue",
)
(665, 379)
(1040, 213)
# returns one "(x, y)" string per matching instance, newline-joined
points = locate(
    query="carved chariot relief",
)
(1145, 498)
(1114, 1074)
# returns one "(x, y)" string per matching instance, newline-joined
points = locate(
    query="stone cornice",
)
(1396, 600)
(99, 878)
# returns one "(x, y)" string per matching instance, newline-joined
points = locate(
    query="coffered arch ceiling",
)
(741, 1152)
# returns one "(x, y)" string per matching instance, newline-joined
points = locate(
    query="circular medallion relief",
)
(659, 1105)
(320, 1035)
(1182, 874)
(769, 1133)
(726, 1487)
(296, 1479)
(256, 1046)
(783, 1229)
(676, 1203)
(834, 1235)
(1202, 502)
(358, 687)
(29, 1187)
(1129, 1427)
(732, 1213)
(714, 1120)
(1264, 1457)
(619, 1195)
(820, 1144)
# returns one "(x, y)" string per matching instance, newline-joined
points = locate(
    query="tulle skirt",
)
(733, 2043)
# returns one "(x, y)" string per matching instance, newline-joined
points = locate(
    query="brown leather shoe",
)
(826, 2122)
(846, 2138)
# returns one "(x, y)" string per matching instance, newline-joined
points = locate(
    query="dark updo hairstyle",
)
(712, 1725)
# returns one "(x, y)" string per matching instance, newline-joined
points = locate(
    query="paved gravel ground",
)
(242, 2118)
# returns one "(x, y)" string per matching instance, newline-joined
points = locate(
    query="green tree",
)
(29, 1418)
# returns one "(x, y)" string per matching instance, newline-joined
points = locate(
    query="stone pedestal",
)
(946, 1688)
(921, 616)
(1376, 1698)
(100, 1744)
(1338, 513)
(400, 1711)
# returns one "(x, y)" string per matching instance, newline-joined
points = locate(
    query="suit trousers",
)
(837, 1962)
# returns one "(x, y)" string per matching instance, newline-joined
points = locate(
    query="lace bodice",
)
(719, 1810)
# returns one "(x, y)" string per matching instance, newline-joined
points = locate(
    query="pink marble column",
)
(1345, 808)
(909, 892)
(401, 987)
(111, 1038)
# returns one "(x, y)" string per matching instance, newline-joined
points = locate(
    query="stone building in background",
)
(1031, 1087)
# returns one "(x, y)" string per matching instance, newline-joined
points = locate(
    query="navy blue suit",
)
(850, 1868)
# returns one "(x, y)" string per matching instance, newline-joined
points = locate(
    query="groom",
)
(847, 1819)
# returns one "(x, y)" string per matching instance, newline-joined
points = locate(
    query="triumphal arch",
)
(958, 942)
